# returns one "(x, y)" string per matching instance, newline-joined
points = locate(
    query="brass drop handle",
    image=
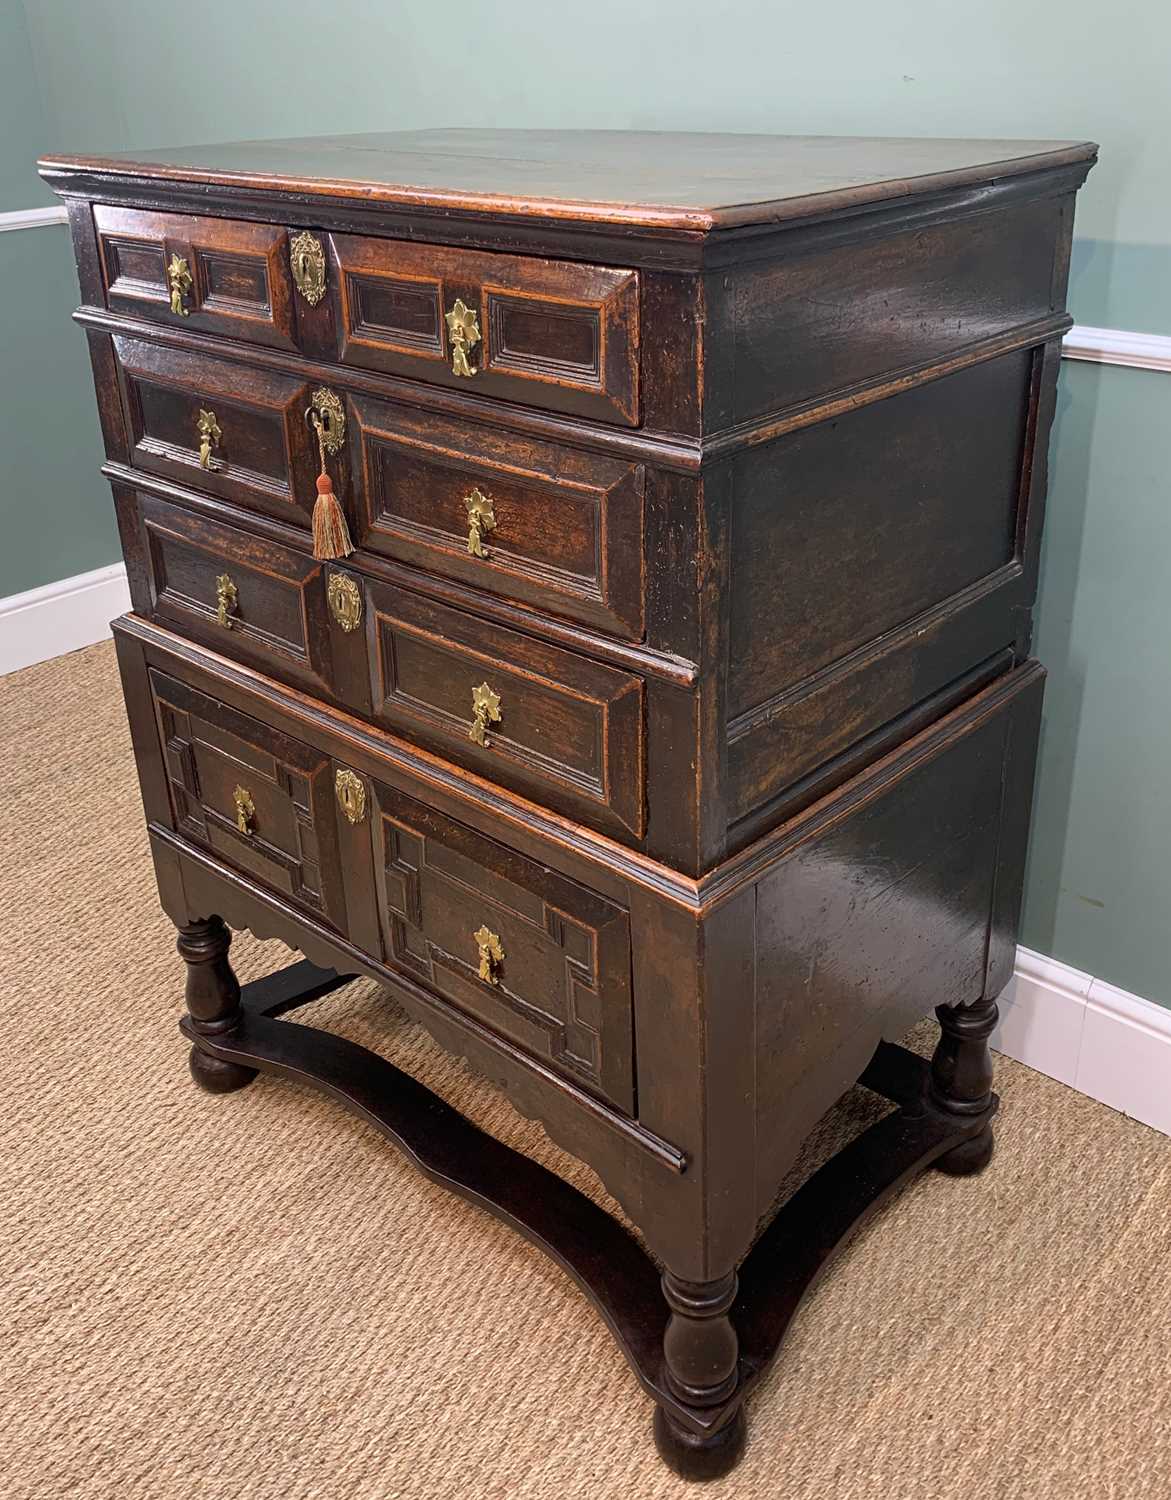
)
(209, 437)
(481, 519)
(491, 954)
(227, 599)
(485, 711)
(179, 282)
(350, 790)
(245, 810)
(307, 260)
(463, 331)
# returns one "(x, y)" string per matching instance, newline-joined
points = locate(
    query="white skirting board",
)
(1117, 346)
(61, 616)
(1099, 1039)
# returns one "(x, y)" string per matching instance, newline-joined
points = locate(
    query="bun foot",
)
(969, 1157)
(216, 1075)
(700, 1458)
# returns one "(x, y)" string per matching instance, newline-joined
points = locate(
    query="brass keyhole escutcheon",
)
(345, 601)
(485, 711)
(463, 331)
(350, 791)
(245, 810)
(481, 520)
(226, 598)
(491, 954)
(327, 416)
(209, 437)
(307, 261)
(179, 281)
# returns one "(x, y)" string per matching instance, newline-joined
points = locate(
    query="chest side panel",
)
(886, 908)
(876, 559)
(820, 320)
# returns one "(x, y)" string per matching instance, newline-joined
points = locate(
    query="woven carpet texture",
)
(253, 1297)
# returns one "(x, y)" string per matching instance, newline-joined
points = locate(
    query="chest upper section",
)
(677, 331)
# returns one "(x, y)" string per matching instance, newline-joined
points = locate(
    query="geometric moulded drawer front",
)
(213, 275)
(247, 597)
(257, 799)
(225, 429)
(548, 333)
(551, 526)
(538, 958)
(557, 726)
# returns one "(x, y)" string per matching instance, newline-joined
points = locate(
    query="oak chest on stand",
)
(584, 582)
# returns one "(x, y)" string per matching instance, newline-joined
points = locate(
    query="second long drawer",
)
(552, 527)
(547, 722)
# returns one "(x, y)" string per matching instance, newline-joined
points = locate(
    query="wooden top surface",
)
(641, 178)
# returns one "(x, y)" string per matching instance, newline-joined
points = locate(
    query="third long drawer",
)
(551, 723)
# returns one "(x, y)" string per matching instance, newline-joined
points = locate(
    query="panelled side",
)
(883, 563)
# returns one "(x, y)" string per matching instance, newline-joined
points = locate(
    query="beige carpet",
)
(252, 1296)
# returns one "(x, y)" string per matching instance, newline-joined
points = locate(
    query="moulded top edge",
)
(669, 182)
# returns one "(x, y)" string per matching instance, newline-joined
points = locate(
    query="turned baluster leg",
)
(961, 1079)
(701, 1366)
(213, 1002)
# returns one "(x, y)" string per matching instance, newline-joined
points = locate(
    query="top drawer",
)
(557, 334)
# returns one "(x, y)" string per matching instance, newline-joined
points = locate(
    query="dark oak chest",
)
(584, 581)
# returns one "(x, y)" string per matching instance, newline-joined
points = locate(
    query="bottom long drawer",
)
(541, 959)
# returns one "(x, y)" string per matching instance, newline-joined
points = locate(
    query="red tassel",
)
(331, 535)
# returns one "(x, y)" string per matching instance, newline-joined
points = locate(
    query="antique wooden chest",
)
(584, 581)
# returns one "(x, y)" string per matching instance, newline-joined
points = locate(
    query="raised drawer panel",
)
(569, 731)
(556, 980)
(262, 454)
(547, 525)
(548, 333)
(249, 598)
(232, 277)
(258, 799)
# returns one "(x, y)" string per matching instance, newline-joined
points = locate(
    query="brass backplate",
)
(210, 436)
(491, 954)
(245, 809)
(481, 519)
(351, 793)
(329, 417)
(463, 330)
(226, 599)
(485, 711)
(179, 282)
(307, 259)
(345, 601)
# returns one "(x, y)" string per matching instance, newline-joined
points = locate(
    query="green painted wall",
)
(56, 517)
(23, 113)
(55, 513)
(1098, 888)
(138, 74)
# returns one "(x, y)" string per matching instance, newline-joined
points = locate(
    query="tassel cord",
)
(331, 534)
